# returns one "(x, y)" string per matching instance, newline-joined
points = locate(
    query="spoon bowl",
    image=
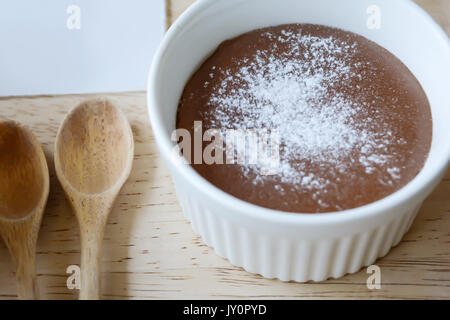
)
(93, 159)
(24, 188)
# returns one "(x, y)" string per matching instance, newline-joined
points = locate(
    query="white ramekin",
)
(300, 247)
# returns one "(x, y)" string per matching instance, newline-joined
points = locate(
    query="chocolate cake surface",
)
(353, 123)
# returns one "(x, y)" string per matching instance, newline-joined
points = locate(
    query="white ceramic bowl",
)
(275, 244)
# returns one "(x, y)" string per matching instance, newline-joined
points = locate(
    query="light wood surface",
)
(151, 252)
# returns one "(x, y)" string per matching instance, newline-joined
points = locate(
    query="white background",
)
(111, 51)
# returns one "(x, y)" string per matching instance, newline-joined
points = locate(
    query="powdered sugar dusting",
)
(294, 92)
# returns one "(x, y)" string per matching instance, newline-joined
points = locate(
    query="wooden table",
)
(151, 252)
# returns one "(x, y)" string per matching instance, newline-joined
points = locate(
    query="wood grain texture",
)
(24, 190)
(94, 153)
(151, 252)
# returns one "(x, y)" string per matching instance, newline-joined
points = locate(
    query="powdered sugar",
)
(294, 92)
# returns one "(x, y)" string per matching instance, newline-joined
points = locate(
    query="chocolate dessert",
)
(354, 124)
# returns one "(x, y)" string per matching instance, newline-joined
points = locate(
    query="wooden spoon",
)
(93, 158)
(24, 187)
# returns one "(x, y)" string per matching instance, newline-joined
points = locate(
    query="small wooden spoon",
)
(93, 158)
(24, 187)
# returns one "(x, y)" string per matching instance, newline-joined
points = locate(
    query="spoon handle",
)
(26, 279)
(20, 238)
(91, 233)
